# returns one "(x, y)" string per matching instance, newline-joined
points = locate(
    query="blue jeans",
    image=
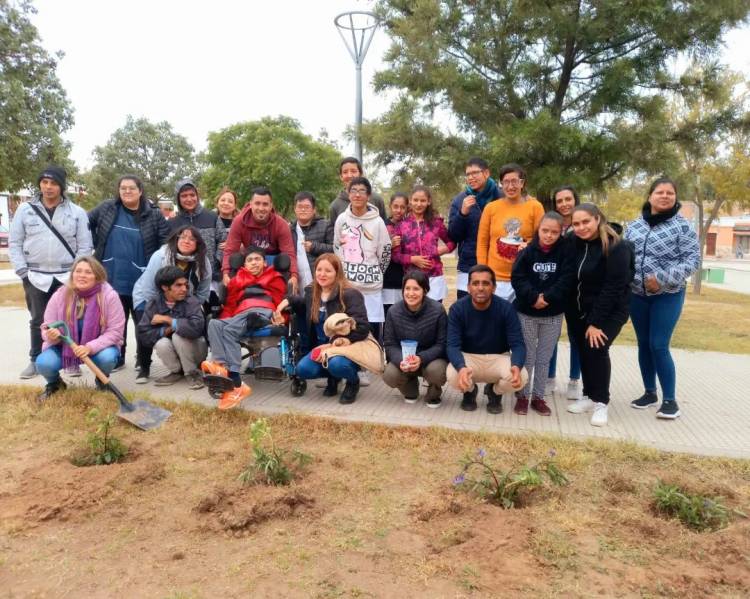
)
(339, 367)
(654, 319)
(575, 360)
(49, 362)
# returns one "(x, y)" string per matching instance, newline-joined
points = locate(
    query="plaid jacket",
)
(669, 251)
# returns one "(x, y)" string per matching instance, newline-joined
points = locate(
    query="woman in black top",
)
(598, 306)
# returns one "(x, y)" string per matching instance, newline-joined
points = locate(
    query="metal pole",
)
(358, 116)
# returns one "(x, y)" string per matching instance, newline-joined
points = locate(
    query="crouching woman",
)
(419, 325)
(330, 293)
(92, 310)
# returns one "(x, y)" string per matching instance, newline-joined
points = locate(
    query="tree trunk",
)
(702, 244)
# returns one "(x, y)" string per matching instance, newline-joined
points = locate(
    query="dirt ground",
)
(374, 515)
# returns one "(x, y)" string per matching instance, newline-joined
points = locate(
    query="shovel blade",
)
(144, 415)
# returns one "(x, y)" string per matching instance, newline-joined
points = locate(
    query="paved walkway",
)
(712, 390)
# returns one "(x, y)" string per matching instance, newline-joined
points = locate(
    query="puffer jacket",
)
(353, 305)
(320, 233)
(33, 247)
(428, 326)
(153, 226)
(668, 250)
(211, 228)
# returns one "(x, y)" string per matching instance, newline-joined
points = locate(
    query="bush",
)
(694, 511)
(101, 446)
(271, 465)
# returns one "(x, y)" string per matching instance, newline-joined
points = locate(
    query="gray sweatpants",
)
(540, 334)
(224, 337)
(178, 353)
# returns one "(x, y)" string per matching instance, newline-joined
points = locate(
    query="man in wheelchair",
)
(252, 296)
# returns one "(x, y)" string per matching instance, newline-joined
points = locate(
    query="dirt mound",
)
(241, 510)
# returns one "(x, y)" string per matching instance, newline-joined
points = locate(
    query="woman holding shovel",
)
(94, 315)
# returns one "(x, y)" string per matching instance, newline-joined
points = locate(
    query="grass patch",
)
(12, 296)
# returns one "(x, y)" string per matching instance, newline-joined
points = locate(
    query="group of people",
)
(521, 271)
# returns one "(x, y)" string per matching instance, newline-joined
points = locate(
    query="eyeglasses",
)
(473, 174)
(511, 182)
(356, 191)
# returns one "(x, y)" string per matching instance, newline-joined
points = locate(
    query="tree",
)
(574, 90)
(151, 151)
(34, 110)
(276, 153)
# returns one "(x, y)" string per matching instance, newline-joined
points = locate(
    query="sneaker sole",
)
(598, 423)
(433, 406)
(410, 400)
(141, 381)
(674, 416)
(586, 411)
(651, 405)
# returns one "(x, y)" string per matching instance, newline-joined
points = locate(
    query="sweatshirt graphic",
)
(364, 247)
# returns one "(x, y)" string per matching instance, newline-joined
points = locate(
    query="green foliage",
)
(34, 109)
(575, 91)
(101, 447)
(270, 465)
(276, 153)
(151, 151)
(694, 511)
(503, 487)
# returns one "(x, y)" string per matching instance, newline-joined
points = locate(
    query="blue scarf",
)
(485, 195)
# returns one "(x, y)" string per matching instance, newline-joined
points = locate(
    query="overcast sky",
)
(204, 65)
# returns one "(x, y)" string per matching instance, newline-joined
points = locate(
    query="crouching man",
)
(173, 324)
(482, 329)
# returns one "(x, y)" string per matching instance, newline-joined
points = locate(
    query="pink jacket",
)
(421, 239)
(114, 318)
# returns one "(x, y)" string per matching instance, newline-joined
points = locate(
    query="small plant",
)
(502, 487)
(101, 446)
(275, 466)
(694, 511)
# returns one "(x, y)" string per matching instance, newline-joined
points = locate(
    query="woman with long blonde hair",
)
(92, 310)
(329, 293)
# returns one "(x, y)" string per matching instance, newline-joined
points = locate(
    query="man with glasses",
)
(350, 168)
(126, 231)
(311, 234)
(465, 213)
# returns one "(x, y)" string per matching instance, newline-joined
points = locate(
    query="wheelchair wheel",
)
(298, 387)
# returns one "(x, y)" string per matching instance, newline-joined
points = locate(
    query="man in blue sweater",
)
(482, 329)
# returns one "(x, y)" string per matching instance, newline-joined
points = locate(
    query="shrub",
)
(272, 465)
(693, 510)
(502, 487)
(101, 446)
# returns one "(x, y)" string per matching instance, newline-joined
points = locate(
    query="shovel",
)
(139, 413)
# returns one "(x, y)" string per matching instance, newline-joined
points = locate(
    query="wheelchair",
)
(273, 350)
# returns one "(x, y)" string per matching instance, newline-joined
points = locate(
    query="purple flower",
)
(481, 452)
(459, 479)
(552, 453)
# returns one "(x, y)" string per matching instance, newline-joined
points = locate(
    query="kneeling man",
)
(482, 329)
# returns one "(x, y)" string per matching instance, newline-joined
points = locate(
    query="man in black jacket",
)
(126, 230)
(173, 325)
(316, 236)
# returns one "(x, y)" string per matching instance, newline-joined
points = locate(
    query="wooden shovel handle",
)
(90, 363)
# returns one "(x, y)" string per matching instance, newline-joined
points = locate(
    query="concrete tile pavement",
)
(711, 389)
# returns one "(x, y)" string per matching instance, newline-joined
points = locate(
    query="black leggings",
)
(596, 367)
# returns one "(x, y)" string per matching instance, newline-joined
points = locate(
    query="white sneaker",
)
(599, 417)
(581, 406)
(364, 378)
(574, 389)
(549, 388)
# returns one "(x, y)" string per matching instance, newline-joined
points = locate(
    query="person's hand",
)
(421, 262)
(466, 205)
(81, 351)
(540, 303)
(411, 364)
(277, 318)
(596, 337)
(522, 245)
(316, 355)
(465, 379)
(225, 279)
(341, 342)
(222, 245)
(651, 284)
(395, 241)
(283, 305)
(53, 335)
(307, 245)
(515, 377)
(294, 284)
(161, 319)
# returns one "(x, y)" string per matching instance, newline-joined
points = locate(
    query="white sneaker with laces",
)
(574, 389)
(581, 406)
(364, 378)
(599, 417)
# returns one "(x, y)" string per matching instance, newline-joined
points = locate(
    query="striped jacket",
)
(669, 251)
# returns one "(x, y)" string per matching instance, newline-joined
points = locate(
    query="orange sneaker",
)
(231, 399)
(214, 368)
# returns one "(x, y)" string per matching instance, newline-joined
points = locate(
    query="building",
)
(726, 234)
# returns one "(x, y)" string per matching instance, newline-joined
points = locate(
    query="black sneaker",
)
(50, 389)
(433, 402)
(494, 401)
(669, 410)
(647, 400)
(332, 387)
(349, 394)
(142, 377)
(469, 402)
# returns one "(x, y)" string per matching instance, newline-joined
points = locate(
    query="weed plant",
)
(269, 464)
(101, 446)
(695, 511)
(503, 487)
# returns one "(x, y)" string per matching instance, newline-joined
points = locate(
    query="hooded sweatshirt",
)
(273, 236)
(364, 247)
(210, 226)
